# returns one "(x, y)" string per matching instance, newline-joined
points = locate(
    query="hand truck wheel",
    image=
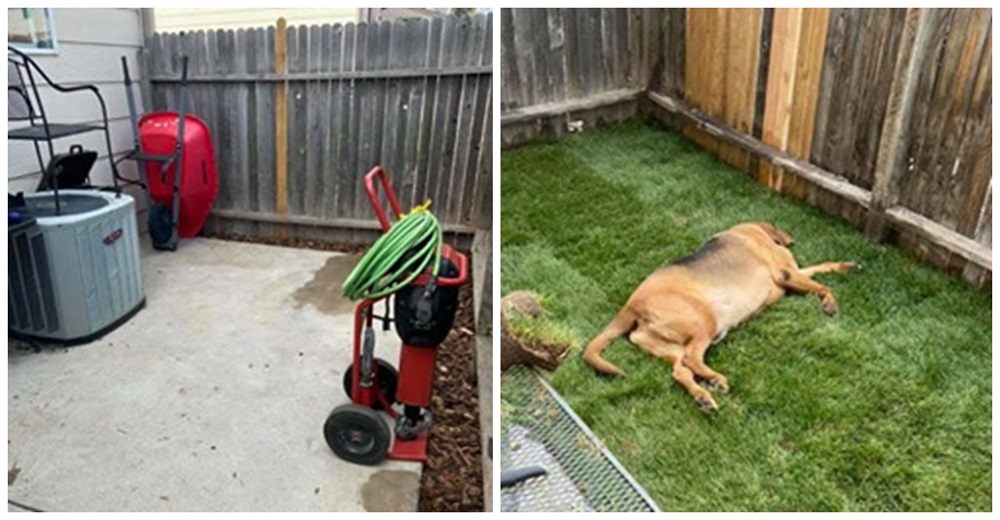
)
(357, 434)
(387, 378)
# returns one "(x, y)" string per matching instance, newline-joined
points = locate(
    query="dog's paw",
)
(719, 383)
(830, 306)
(706, 403)
(850, 267)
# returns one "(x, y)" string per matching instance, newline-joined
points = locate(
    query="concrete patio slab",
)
(212, 398)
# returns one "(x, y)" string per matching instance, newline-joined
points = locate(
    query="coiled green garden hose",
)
(385, 268)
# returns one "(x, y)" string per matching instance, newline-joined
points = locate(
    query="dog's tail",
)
(623, 322)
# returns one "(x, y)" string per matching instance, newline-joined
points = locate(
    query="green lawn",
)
(886, 407)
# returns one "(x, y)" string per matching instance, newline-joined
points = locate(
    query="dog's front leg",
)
(829, 267)
(795, 280)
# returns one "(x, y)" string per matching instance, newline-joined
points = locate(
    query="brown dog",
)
(686, 306)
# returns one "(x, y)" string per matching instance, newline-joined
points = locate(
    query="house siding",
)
(193, 19)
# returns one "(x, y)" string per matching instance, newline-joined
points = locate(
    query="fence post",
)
(891, 163)
(281, 119)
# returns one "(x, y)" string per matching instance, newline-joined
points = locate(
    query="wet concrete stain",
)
(390, 490)
(323, 291)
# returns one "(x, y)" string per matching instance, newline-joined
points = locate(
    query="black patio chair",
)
(24, 103)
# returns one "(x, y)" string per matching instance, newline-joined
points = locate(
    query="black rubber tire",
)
(161, 224)
(387, 377)
(357, 434)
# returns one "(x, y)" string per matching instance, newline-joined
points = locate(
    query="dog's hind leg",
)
(674, 354)
(694, 358)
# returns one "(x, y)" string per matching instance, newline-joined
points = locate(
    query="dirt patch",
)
(323, 291)
(389, 491)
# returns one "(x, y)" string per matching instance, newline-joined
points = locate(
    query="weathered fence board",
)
(555, 63)
(411, 95)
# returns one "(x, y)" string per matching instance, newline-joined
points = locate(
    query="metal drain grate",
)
(539, 429)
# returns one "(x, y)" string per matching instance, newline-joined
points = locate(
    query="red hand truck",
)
(424, 313)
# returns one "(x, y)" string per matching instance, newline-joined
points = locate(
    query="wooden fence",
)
(879, 116)
(300, 114)
(561, 64)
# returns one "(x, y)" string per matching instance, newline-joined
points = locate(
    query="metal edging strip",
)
(597, 442)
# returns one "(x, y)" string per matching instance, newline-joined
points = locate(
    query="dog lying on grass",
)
(688, 305)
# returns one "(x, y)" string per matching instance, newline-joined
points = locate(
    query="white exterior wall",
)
(194, 19)
(90, 45)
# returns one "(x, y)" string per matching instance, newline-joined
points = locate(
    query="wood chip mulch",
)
(453, 474)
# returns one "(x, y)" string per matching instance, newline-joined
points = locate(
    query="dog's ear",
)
(780, 237)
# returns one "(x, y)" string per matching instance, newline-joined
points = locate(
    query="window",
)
(31, 30)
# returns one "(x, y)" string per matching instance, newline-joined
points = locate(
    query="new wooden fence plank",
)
(785, 36)
(741, 40)
(808, 71)
(703, 69)
(281, 119)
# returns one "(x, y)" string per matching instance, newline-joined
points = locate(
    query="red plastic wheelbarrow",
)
(165, 143)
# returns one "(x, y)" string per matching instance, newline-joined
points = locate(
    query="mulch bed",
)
(452, 478)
